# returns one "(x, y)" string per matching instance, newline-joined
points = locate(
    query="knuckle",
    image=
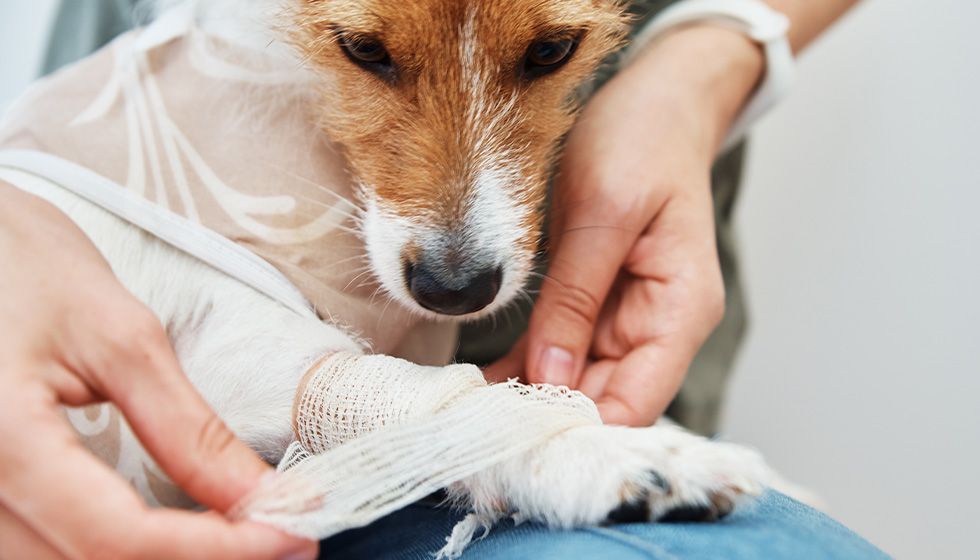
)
(212, 440)
(145, 328)
(577, 304)
(136, 331)
(714, 303)
(214, 437)
(130, 337)
(599, 196)
(124, 542)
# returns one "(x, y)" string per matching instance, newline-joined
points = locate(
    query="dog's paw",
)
(603, 474)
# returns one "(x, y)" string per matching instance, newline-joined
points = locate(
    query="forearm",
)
(702, 74)
(716, 69)
(809, 18)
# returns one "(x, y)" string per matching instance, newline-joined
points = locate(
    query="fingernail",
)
(556, 366)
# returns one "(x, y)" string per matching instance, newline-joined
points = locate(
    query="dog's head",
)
(450, 112)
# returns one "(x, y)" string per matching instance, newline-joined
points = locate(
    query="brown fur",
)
(413, 142)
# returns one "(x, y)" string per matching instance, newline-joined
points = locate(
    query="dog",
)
(449, 116)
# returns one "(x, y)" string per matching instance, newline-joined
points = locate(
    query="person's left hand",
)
(634, 285)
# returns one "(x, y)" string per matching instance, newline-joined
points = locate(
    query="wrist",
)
(705, 68)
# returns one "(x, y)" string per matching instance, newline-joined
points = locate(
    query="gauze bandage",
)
(377, 433)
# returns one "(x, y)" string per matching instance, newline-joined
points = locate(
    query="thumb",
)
(174, 422)
(588, 246)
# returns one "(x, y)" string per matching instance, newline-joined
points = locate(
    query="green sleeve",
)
(81, 27)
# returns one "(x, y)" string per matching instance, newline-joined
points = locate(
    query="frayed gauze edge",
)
(376, 434)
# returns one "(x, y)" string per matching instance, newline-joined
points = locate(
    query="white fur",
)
(494, 221)
(244, 352)
(385, 236)
(583, 474)
(247, 354)
(567, 488)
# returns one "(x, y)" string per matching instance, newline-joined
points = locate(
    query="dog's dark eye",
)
(368, 53)
(365, 50)
(547, 55)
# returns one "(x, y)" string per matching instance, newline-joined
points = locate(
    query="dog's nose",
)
(463, 296)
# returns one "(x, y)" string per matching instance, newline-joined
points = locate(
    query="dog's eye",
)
(367, 52)
(547, 55)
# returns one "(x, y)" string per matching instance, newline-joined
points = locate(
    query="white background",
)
(861, 232)
(860, 226)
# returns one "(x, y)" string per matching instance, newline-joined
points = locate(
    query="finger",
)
(510, 366)
(84, 510)
(180, 534)
(643, 384)
(138, 371)
(595, 378)
(589, 245)
(18, 540)
(613, 337)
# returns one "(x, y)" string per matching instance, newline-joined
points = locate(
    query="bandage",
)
(376, 433)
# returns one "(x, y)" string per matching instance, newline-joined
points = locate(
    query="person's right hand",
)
(70, 334)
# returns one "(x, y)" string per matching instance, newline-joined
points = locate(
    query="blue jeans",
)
(774, 528)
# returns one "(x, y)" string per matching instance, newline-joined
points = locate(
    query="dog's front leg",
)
(346, 396)
(537, 453)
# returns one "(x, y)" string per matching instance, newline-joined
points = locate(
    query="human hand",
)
(70, 334)
(634, 285)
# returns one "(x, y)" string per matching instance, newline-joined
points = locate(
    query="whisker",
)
(506, 313)
(358, 211)
(385, 309)
(365, 282)
(324, 188)
(527, 297)
(547, 277)
(359, 275)
(311, 213)
(580, 228)
(348, 259)
(318, 212)
(378, 289)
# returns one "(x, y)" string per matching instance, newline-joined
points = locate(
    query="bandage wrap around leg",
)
(375, 434)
